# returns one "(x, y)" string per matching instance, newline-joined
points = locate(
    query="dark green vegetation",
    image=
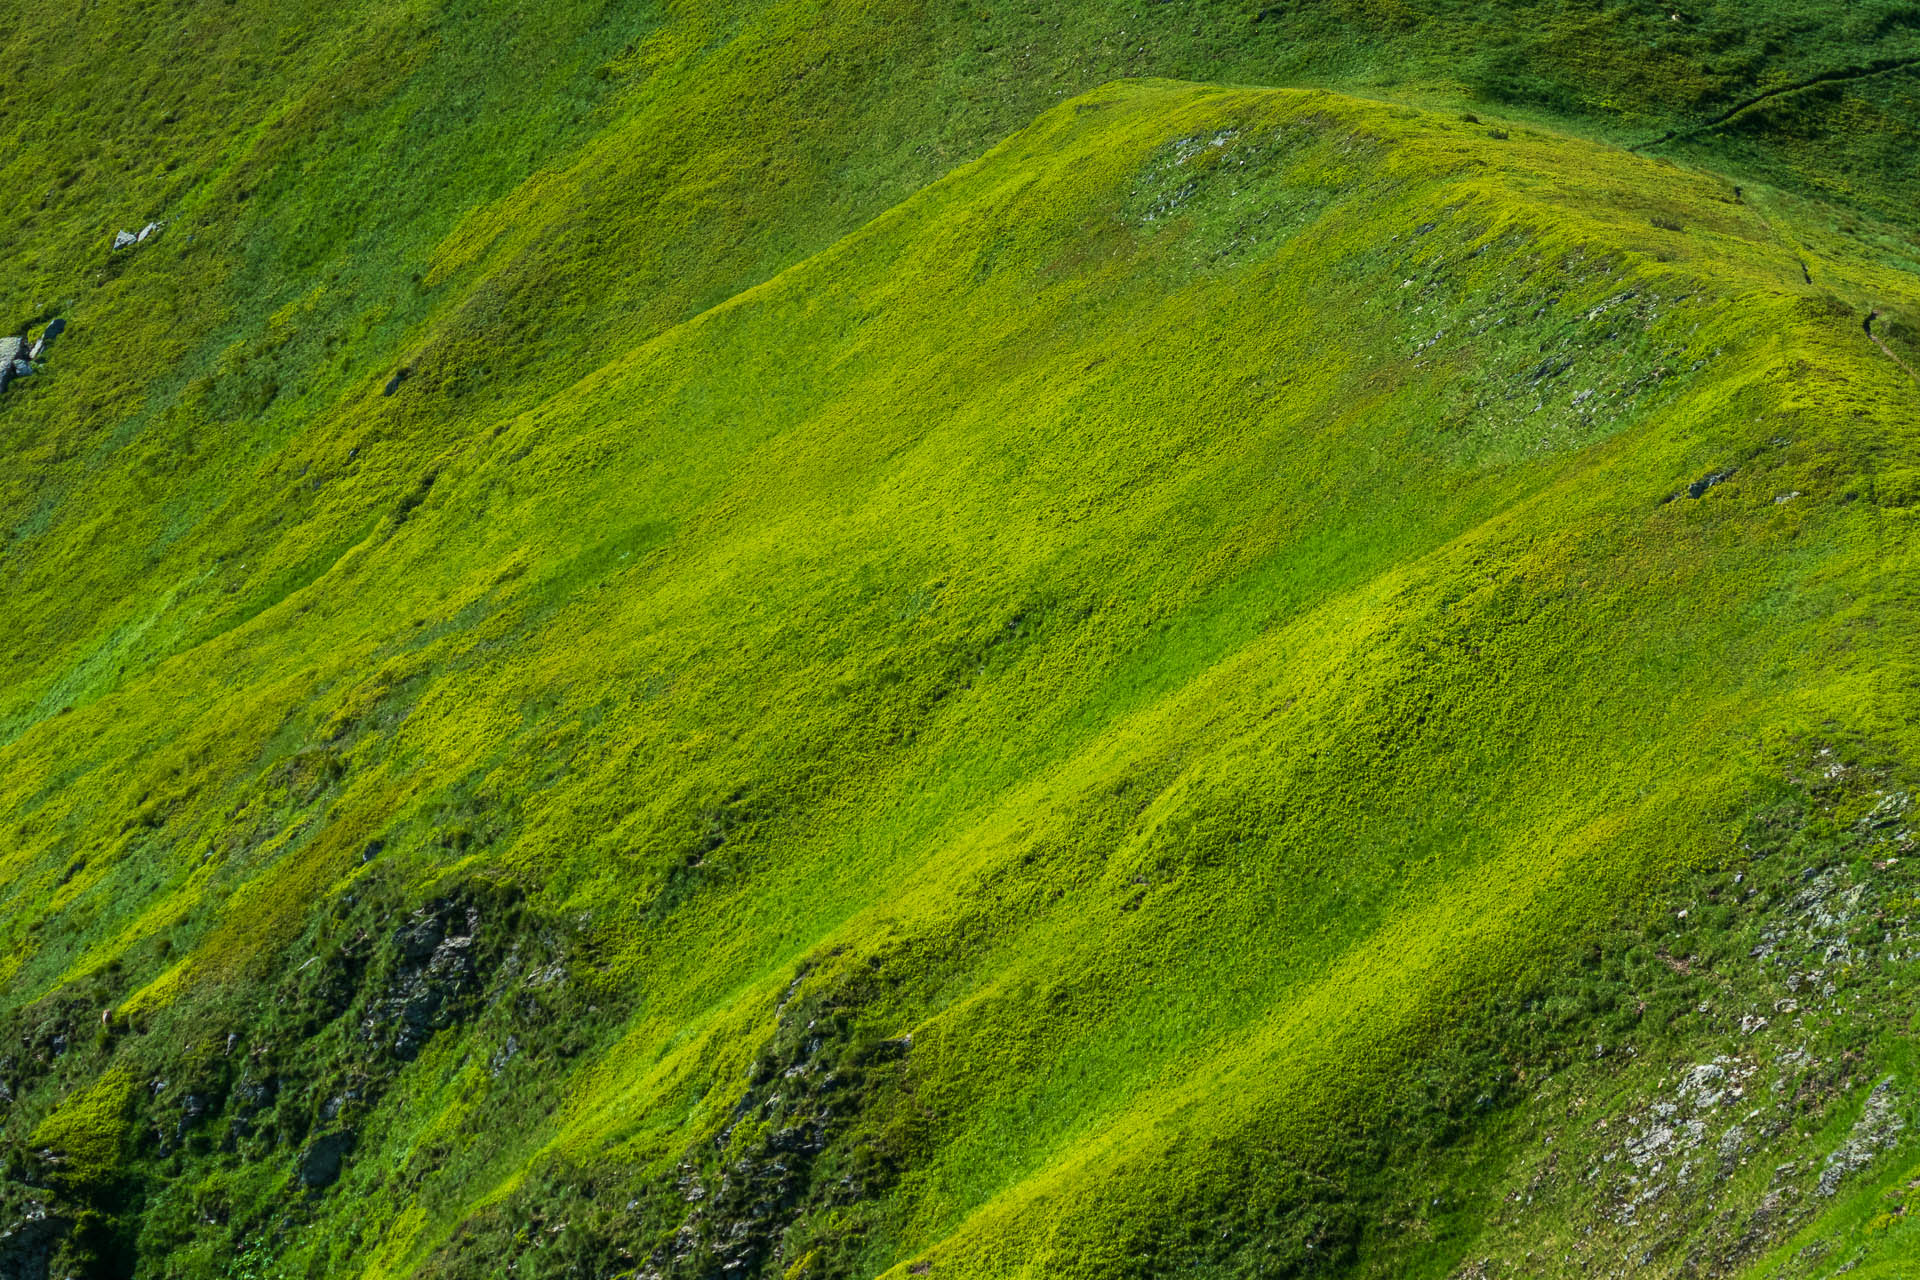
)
(967, 647)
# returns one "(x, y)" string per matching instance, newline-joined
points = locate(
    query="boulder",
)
(320, 1163)
(125, 240)
(47, 335)
(12, 349)
(28, 1244)
(145, 232)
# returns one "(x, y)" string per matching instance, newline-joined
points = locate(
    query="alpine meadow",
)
(988, 640)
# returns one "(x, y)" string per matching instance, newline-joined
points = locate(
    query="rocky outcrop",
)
(804, 1089)
(27, 1246)
(128, 239)
(813, 1142)
(1878, 1129)
(20, 358)
(435, 974)
(47, 335)
(321, 1162)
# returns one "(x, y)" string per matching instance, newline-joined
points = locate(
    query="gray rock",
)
(1643, 1150)
(1878, 1129)
(320, 1163)
(505, 1054)
(1732, 1143)
(1703, 1085)
(125, 240)
(420, 936)
(146, 232)
(12, 349)
(252, 1096)
(437, 970)
(1706, 482)
(28, 1244)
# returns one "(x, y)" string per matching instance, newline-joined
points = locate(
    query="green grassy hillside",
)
(828, 640)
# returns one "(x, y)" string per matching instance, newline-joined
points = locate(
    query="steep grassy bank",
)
(500, 209)
(1077, 727)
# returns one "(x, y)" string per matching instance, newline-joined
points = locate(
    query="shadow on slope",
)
(1190, 602)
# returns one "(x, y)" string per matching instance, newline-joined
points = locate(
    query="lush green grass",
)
(1195, 615)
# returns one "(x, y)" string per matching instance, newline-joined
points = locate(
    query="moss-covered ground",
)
(823, 639)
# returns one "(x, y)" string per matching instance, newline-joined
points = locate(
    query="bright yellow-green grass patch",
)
(1198, 595)
(89, 1131)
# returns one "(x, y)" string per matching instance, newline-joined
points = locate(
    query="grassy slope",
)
(1081, 565)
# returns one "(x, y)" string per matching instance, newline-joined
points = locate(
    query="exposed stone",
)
(1552, 367)
(1706, 482)
(1703, 1085)
(27, 1246)
(320, 1163)
(125, 240)
(47, 335)
(437, 970)
(1878, 1129)
(505, 1054)
(807, 1083)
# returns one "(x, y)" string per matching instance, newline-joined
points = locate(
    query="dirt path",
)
(1884, 67)
(1880, 342)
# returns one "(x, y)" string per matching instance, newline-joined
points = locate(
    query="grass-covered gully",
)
(825, 639)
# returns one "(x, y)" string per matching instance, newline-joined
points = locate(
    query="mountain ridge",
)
(1215, 542)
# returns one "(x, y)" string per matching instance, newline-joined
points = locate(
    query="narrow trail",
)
(1880, 342)
(1885, 66)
